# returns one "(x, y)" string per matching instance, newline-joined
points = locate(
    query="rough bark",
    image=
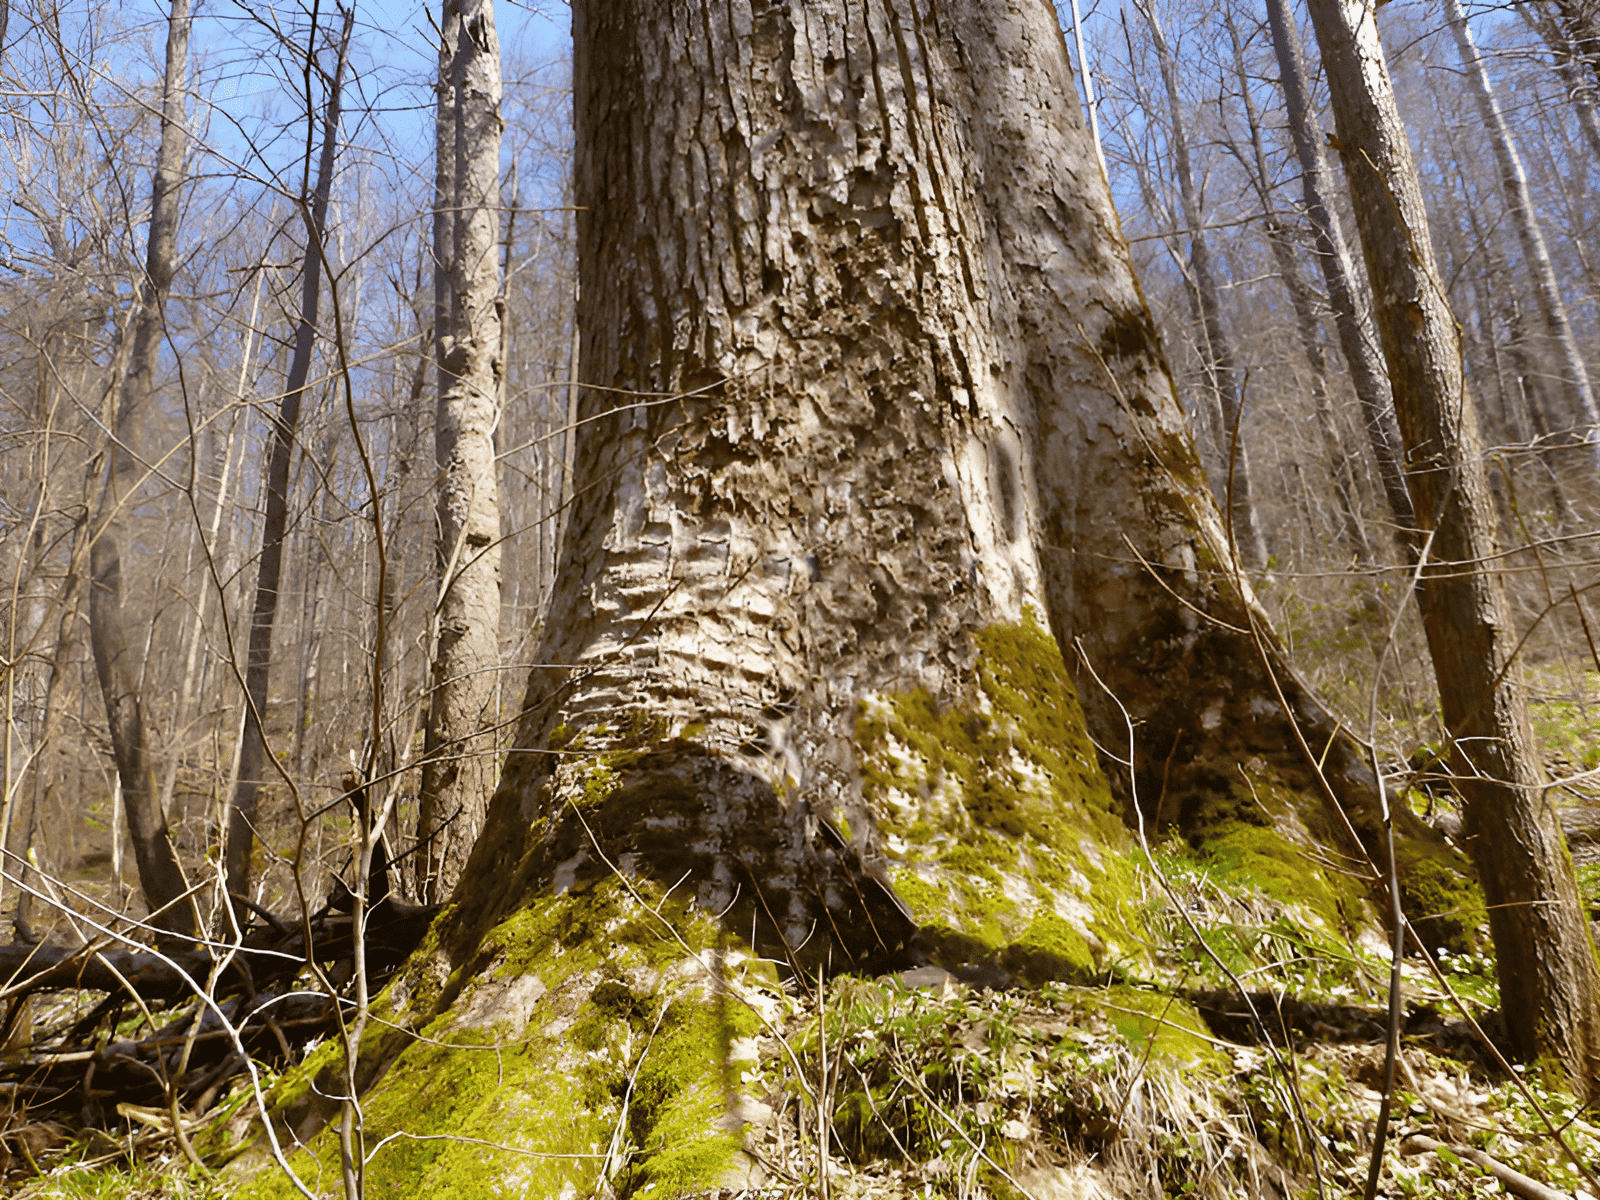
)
(838, 424)
(275, 517)
(1580, 421)
(1223, 375)
(460, 766)
(114, 643)
(868, 386)
(1357, 338)
(1546, 960)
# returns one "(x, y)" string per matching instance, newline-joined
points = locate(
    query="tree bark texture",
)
(242, 813)
(1577, 421)
(1222, 372)
(460, 767)
(1357, 338)
(880, 380)
(113, 641)
(869, 391)
(1546, 959)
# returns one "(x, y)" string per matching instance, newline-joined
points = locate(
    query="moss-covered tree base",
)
(596, 1018)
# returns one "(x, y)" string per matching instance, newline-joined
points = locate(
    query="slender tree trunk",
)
(316, 614)
(1209, 410)
(1216, 352)
(460, 767)
(1546, 959)
(1525, 409)
(189, 692)
(1302, 300)
(117, 661)
(1580, 421)
(1357, 338)
(26, 871)
(275, 519)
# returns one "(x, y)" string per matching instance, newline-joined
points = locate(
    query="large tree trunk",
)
(460, 766)
(117, 660)
(242, 814)
(1578, 419)
(1546, 959)
(869, 389)
(1357, 338)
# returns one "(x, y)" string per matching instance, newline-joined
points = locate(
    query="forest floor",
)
(1244, 1057)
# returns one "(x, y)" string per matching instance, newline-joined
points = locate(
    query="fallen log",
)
(267, 955)
(148, 974)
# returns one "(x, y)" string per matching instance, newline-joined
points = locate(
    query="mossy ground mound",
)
(612, 1042)
(616, 1039)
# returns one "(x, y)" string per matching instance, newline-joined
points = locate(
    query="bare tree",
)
(1546, 959)
(1568, 66)
(314, 211)
(118, 662)
(1577, 421)
(1301, 298)
(459, 767)
(1357, 338)
(1222, 371)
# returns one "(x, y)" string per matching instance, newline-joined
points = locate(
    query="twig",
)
(1514, 1181)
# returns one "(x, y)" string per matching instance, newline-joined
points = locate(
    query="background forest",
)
(1275, 358)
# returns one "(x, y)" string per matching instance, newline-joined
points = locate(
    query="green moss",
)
(598, 785)
(1051, 948)
(1445, 905)
(1263, 859)
(482, 1104)
(1166, 1028)
(998, 809)
(969, 861)
(565, 737)
(640, 728)
(679, 1093)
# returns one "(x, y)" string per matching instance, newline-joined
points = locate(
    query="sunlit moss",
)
(1003, 824)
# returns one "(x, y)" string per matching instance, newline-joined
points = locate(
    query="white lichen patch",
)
(506, 1004)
